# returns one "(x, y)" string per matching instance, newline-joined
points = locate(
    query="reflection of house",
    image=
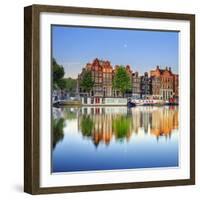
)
(164, 121)
(175, 120)
(101, 129)
(102, 125)
(136, 120)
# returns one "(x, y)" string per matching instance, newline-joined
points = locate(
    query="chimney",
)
(157, 67)
(170, 69)
(166, 68)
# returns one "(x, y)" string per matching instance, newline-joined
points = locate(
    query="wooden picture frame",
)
(32, 97)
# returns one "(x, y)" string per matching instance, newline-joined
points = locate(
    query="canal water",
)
(114, 138)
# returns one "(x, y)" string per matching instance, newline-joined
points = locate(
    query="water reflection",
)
(122, 127)
(145, 132)
(58, 134)
(87, 125)
(102, 124)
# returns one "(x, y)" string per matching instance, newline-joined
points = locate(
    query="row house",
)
(136, 85)
(102, 75)
(175, 85)
(145, 85)
(165, 83)
(155, 87)
(159, 83)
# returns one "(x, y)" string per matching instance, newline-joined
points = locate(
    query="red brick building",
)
(168, 83)
(102, 72)
(136, 85)
(161, 84)
(176, 85)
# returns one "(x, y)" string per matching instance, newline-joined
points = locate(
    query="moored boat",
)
(148, 102)
(171, 102)
(131, 104)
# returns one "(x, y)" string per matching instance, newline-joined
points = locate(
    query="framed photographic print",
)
(109, 99)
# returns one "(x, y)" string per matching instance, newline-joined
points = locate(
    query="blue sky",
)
(73, 47)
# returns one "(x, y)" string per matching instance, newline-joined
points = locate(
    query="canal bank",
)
(113, 101)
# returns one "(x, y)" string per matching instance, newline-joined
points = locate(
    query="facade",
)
(155, 87)
(129, 71)
(145, 86)
(97, 76)
(102, 75)
(107, 78)
(158, 84)
(175, 85)
(136, 85)
(167, 84)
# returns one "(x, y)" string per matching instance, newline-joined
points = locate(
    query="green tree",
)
(61, 83)
(121, 81)
(71, 84)
(58, 74)
(58, 71)
(87, 83)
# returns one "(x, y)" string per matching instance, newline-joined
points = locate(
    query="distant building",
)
(158, 84)
(167, 84)
(145, 86)
(129, 71)
(176, 85)
(102, 75)
(136, 85)
(155, 87)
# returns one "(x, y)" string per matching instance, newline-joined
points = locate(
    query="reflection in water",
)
(139, 130)
(86, 126)
(58, 125)
(122, 126)
(101, 124)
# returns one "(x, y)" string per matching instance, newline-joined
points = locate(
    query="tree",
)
(71, 84)
(61, 83)
(121, 81)
(87, 83)
(58, 71)
(58, 74)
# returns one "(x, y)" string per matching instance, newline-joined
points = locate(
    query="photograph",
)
(109, 99)
(114, 99)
